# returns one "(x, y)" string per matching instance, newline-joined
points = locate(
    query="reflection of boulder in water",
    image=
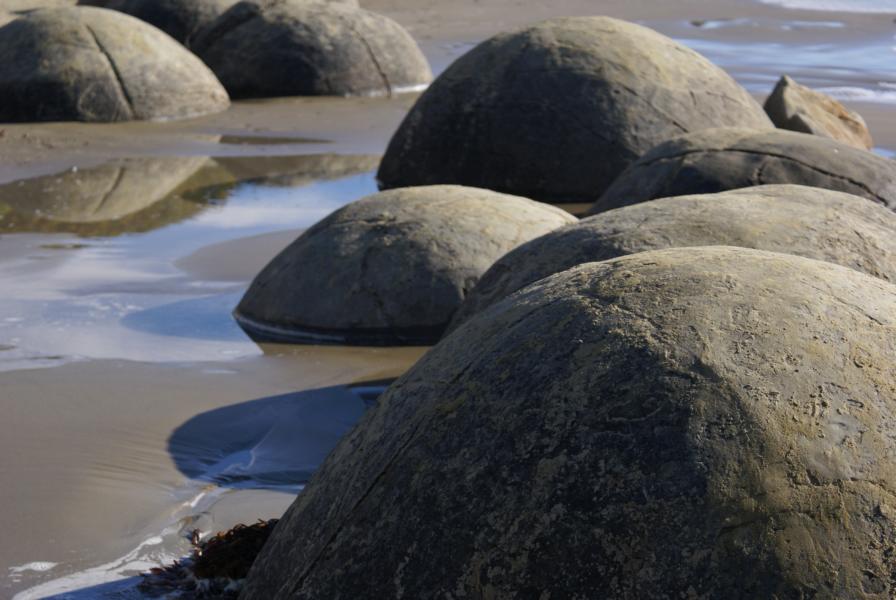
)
(142, 194)
(104, 200)
(294, 171)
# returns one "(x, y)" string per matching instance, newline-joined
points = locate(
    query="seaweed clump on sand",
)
(216, 568)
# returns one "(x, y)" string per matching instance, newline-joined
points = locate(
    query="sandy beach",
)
(118, 352)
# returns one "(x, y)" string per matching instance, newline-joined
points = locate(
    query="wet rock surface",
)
(94, 64)
(391, 268)
(657, 425)
(799, 108)
(310, 48)
(557, 110)
(811, 222)
(729, 158)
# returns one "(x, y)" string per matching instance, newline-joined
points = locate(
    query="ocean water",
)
(855, 6)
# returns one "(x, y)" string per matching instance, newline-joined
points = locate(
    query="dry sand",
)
(86, 475)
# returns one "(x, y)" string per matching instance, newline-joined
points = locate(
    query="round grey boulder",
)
(180, 19)
(555, 111)
(94, 64)
(389, 269)
(725, 159)
(799, 108)
(302, 48)
(687, 423)
(811, 222)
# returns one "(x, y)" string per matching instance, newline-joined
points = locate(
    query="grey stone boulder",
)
(302, 48)
(94, 64)
(687, 423)
(180, 19)
(389, 269)
(725, 159)
(555, 111)
(811, 222)
(799, 108)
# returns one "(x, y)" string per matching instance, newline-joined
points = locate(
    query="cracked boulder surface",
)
(799, 108)
(555, 111)
(109, 192)
(685, 423)
(180, 19)
(729, 158)
(811, 222)
(389, 269)
(94, 64)
(267, 48)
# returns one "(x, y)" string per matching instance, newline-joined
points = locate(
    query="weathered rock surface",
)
(557, 110)
(391, 268)
(180, 19)
(686, 423)
(93, 64)
(725, 159)
(791, 219)
(302, 48)
(799, 108)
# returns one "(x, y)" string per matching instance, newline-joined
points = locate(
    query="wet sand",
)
(115, 335)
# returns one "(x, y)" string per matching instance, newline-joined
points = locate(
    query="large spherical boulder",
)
(729, 158)
(302, 48)
(799, 108)
(391, 268)
(180, 19)
(688, 423)
(93, 64)
(557, 110)
(821, 224)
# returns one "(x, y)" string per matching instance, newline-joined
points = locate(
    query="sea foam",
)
(853, 6)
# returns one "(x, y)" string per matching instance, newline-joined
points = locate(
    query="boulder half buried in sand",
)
(688, 423)
(811, 222)
(799, 108)
(389, 269)
(310, 48)
(180, 19)
(94, 64)
(555, 111)
(725, 159)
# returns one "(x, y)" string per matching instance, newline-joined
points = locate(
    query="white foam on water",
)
(38, 566)
(885, 95)
(851, 6)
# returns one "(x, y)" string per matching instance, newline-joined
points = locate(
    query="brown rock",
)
(799, 108)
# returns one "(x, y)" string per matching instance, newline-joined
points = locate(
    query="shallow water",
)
(116, 292)
(145, 278)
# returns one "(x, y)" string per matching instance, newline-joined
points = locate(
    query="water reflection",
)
(165, 291)
(136, 195)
